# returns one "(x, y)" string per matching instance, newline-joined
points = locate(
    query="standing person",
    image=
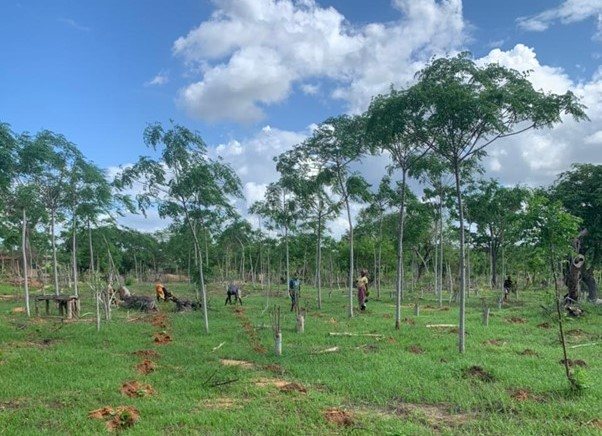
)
(233, 290)
(294, 291)
(507, 287)
(362, 289)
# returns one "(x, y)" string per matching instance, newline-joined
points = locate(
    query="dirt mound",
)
(332, 321)
(391, 340)
(16, 310)
(146, 353)
(478, 373)
(161, 338)
(387, 316)
(573, 363)
(408, 321)
(135, 389)
(293, 387)
(415, 349)
(338, 417)
(118, 418)
(528, 352)
(146, 366)
(159, 320)
(241, 363)
(544, 325)
(516, 320)
(596, 423)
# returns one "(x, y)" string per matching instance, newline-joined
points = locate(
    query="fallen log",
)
(372, 335)
(429, 326)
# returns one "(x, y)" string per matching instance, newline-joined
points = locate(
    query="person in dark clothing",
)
(508, 285)
(233, 290)
(294, 291)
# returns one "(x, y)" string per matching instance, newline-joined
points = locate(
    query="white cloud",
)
(569, 11)
(158, 80)
(251, 52)
(310, 89)
(537, 157)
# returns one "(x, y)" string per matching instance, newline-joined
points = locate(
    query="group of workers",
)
(294, 291)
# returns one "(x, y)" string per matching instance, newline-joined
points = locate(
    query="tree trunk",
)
(319, 260)
(201, 277)
(462, 290)
(399, 282)
(25, 270)
(91, 248)
(350, 257)
(54, 261)
(440, 249)
(288, 273)
(380, 252)
(74, 250)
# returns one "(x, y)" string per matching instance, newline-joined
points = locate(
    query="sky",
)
(253, 76)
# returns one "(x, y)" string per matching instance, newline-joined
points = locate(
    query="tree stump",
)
(485, 316)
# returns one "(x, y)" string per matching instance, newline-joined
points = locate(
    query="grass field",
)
(411, 381)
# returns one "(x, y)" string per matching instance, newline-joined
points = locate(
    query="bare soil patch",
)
(528, 352)
(116, 418)
(332, 321)
(159, 320)
(17, 403)
(16, 310)
(240, 363)
(478, 373)
(391, 340)
(161, 338)
(544, 325)
(146, 367)
(415, 349)
(596, 423)
(409, 321)
(573, 363)
(135, 389)
(339, 417)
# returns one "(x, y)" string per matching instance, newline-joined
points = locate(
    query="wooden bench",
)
(68, 304)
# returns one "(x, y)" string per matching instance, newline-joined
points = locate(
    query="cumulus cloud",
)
(251, 52)
(538, 156)
(569, 11)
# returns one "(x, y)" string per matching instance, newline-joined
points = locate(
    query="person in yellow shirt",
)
(362, 289)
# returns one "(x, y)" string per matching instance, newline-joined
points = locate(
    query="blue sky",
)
(84, 68)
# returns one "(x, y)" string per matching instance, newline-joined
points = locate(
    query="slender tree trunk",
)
(436, 260)
(319, 260)
(25, 270)
(399, 281)
(380, 252)
(54, 261)
(201, 277)
(350, 257)
(440, 249)
(74, 253)
(462, 290)
(288, 273)
(91, 248)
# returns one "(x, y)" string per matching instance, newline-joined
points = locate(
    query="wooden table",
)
(68, 304)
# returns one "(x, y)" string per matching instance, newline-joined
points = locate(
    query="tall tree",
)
(334, 145)
(301, 176)
(467, 108)
(394, 122)
(184, 183)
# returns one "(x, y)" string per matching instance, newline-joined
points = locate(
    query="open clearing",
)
(166, 376)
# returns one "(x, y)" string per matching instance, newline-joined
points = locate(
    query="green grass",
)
(53, 373)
